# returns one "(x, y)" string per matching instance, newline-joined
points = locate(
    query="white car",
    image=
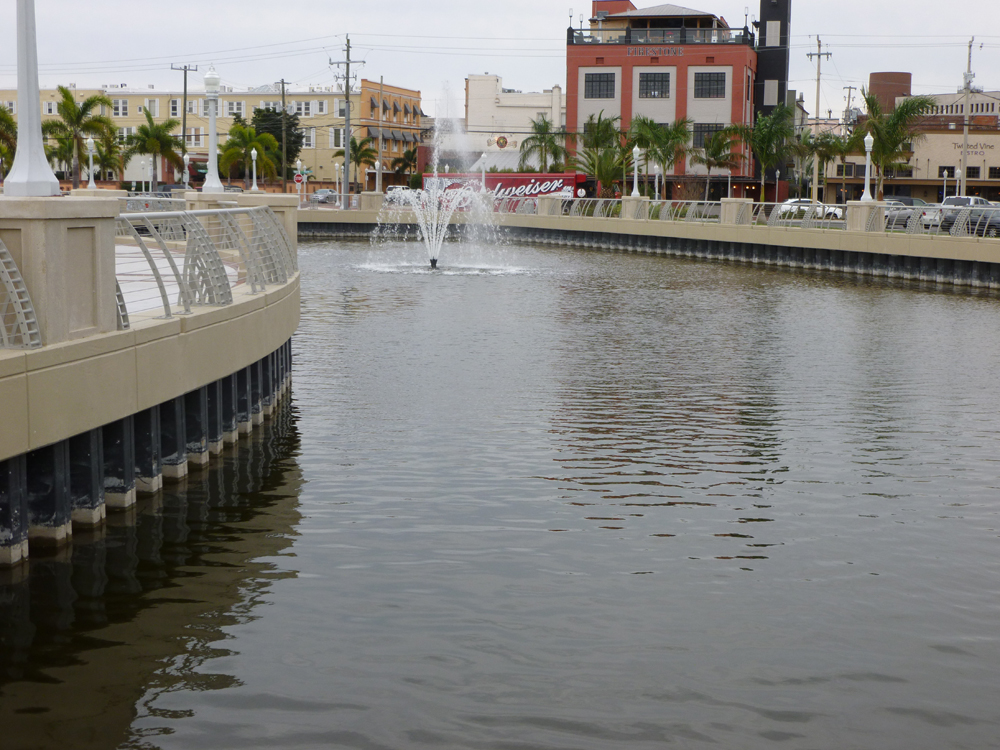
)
(933, 213)
(796, 208)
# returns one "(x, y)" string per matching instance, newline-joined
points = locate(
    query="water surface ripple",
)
(562, 499)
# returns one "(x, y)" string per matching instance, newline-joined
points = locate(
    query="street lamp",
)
(336, 179)
(212, 182)
(142, 174)
(152, 175)
(187, 171)
(484, 153)
(656, 180)
(869, 142)
(729, 184)
(635, 172)
(777, 179)
(90, 154)
(253, 155)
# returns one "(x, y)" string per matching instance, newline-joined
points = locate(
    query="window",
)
(341, 108)
(946, 171)
(310, 138)
(320, 107)
(273, 106)
(972, 173)
(153, 107)
(206, 107)
(599, 86)
(995, 173)
(124, 133)
(845, 170)
(235, 108)
(192, 106)
(701, 131)
(302, 109)
(10, 106)
(49, 108)
(119, 107)
(175, 107)
(194, 137)
(336, 138)
(654, 85)
(709, 85)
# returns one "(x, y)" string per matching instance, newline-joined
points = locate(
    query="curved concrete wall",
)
(58, 391)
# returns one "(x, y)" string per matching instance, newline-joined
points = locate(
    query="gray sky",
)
(433, 45)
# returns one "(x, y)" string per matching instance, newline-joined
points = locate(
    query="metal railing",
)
(519, 205)
(659, 36)
(18, 324)
(175, 260)
(954, 221)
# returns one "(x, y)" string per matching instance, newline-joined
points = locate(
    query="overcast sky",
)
(432, 45)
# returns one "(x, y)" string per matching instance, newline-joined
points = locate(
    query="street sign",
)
(298, 179)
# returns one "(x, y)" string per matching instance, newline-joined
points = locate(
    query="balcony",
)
(659, 36)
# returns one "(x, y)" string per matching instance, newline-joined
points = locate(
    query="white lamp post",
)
(187, 171)
(944, 186)
(142, 173)
(635, 172)
(152, 174)
(484, 153)
(336, 178)
(729, 184)
(31, 174)
(777, 179)
(869, 142)
(212, 182)
(91, 185)
(253, 156)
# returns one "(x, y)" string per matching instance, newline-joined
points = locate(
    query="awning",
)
(395, 108)
(373, 133)
(406, 109)
(396, 135)
(385, 105)
(374, 103)
(409, 137)
(422, 113)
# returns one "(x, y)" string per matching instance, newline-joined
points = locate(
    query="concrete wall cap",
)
(58, 208)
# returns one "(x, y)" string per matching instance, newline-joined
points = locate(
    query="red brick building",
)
(667, 63)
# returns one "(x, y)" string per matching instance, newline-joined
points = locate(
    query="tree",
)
(155, 140)
(269, 121)
(59, 152)
(600, 131)
(239, 148)
(76, 121)
(8, 130)
(769, 139)
(543, 142)
(644, 132)
(109, 156)
(893, 132)
(604, 164)
(361, 153)
(405, 164)
(839, 147)
(719, 152)
(671, 145)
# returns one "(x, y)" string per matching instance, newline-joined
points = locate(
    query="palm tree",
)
(600, 131)
(108, 156)
(770, 139)
(645, 132)
(893, 132)
(8, 130)
(59, 152)
(154, 140)
(604, 164)
(361, 153)
(672, 145)
(405, 164)
(717, 153)
(543, 142)
(239, 148)
(78, 121)
(840, 147)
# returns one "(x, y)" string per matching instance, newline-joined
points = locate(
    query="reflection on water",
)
(134, 608)
(596, 501)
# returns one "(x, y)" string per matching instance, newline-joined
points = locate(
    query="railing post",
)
(635, 209)
(731, 211)
(860, 216)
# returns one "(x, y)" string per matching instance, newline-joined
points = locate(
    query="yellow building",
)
(321, 112)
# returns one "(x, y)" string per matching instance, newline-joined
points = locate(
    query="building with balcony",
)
(666, 63)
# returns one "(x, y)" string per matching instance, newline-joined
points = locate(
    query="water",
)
(550, 498)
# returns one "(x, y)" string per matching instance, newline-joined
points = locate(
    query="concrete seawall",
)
(960, 261)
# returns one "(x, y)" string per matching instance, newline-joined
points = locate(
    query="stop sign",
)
(298, 179)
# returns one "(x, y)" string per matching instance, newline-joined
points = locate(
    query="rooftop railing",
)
(659, 36)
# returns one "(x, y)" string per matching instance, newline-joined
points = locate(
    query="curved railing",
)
(172, 261)
(18, 324)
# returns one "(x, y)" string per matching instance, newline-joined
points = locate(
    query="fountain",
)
(432, 207)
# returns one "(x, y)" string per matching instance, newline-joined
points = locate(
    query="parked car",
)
(796, 208)
(323, 195)
(983, 222)
(899, 209)
(933, 214)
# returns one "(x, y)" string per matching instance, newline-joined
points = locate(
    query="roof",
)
(667, 10)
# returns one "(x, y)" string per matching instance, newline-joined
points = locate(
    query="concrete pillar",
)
(13, 511)
(635, 209)
(229, 398)
(256, 405)
(173, 435)
(372, 201)
(858, 213)
(119, 464)
(196, 432)
(267, 386)
(86, 478)
(148, 451)
(731, 211)
(65, 250)
(244, 416)
(214, 431)
(49, 505)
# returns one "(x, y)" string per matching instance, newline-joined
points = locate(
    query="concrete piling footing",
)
(49, 492)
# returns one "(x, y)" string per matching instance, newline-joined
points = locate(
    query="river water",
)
(551, 498)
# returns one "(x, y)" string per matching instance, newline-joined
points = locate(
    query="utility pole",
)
(347, 122)
(381, 109)
(819, 53)
(284, 141)
(969, 75)
(184, 110)
(847, 114)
